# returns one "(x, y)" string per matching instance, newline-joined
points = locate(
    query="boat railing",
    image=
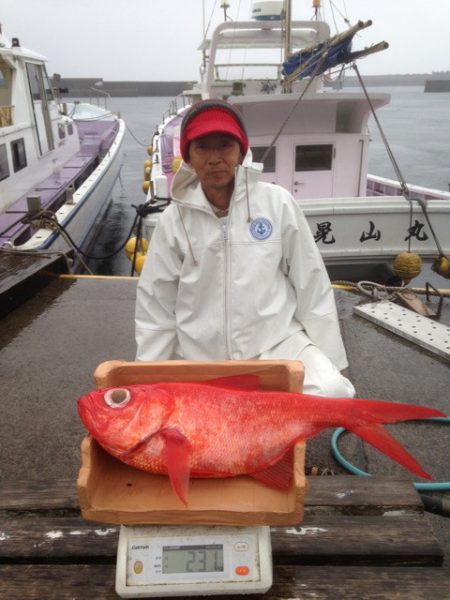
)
(6, 116)
(179, 102)
(245, 68)
(381, 186)
(102, 96)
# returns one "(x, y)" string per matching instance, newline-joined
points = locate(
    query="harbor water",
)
(416, 125)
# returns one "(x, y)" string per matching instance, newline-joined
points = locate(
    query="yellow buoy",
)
(441, 266)
(139, 262)
(407, 265)
(147, 168)
(149, 149)
(146, 187)
(176, 163)
(131, 245)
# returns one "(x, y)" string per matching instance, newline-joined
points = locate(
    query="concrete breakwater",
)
(91, 86)
(437, 85)
(97, 86)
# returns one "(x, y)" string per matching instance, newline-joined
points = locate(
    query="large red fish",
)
(230, 427)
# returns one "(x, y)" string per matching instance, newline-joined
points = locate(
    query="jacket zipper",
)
(224, 227)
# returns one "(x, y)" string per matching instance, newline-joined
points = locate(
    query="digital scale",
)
(193, 560)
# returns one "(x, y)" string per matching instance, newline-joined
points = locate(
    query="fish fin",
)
(378, 437)
(391, 412)
(178, 454)
(278, 475)
(243, 382)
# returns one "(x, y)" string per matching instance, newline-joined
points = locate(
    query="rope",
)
(376, 291)
(355, 287)
(50, 218)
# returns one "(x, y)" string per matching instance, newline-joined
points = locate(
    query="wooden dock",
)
(361, 538)
(22, 273)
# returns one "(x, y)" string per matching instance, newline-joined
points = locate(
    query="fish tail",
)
(365, 418)
(391, 412)
(377, 436)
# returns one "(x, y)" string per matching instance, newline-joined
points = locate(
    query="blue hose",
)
(421, 487)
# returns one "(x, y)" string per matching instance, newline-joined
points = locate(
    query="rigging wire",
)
(333, 8)
(300, 98)
(403, 185)
(210, 21)
(398, 172)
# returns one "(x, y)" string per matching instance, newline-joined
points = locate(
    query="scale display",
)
(197, 560)
(201, 558)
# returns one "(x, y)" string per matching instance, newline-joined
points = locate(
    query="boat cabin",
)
(31, 125)
(318, 146)
(313, 140)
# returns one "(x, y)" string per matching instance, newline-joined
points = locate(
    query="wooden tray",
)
(113, 492)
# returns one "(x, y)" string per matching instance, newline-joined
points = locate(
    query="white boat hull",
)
(79, 217)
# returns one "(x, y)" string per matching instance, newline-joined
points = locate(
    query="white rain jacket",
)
(235, 288)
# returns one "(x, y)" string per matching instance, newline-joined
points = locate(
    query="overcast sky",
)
(151, 40)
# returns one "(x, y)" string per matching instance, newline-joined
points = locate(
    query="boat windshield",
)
(245, 51)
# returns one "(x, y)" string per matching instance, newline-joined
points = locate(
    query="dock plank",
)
(22, 273)
(320, 539)
(341, 493)
(96, 582)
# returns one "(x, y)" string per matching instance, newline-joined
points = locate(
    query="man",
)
(233, 271)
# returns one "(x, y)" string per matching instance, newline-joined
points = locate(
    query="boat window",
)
(47, 85)
(19, 155)
(270, 160)
(4, 167)
(33, 78)
(318, 157)
(42, 96)
(39, 82)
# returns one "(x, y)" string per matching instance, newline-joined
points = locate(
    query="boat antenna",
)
(225, 5)
(316, 7)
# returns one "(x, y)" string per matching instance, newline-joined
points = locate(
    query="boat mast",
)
(287, 28)
(287, 87)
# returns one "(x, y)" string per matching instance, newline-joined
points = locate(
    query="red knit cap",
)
(211, 116)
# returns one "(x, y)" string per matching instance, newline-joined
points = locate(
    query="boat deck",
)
(52, 343)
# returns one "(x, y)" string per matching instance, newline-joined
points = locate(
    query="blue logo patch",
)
(261, 228)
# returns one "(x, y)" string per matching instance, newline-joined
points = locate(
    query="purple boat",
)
(58, 161)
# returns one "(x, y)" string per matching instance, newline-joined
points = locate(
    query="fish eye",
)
(117, 398)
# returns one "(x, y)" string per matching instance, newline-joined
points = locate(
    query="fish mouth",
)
(85, 410)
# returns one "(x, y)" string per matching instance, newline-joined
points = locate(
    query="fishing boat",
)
(313, 139)
(58, 161)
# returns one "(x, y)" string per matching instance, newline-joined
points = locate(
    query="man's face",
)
(214, 158)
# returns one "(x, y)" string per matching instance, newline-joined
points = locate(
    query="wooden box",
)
(113, 492)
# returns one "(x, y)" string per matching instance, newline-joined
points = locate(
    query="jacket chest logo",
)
(261, 228)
